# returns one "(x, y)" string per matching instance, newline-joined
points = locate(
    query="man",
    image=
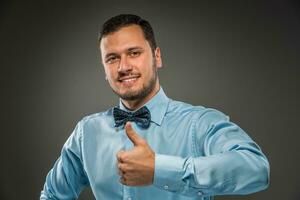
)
(149, 146)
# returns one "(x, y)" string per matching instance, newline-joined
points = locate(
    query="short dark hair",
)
(117, 22)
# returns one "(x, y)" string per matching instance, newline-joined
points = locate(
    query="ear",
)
(157, 56)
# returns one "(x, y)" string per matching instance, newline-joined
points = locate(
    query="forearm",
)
(67, 178)
(232, 172)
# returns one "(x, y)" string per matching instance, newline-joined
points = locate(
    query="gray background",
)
(241, 57)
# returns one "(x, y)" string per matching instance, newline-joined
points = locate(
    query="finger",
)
(120, 156)
(122, 167)
(123, 180)
(132, 135)
(126, 181)
(121, 173)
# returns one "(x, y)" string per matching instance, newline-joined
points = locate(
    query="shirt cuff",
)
(168, 172)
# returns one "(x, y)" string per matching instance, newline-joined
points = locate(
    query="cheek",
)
(109, 72)
(145, 65)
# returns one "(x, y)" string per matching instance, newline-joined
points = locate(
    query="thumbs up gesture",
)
(136, 166)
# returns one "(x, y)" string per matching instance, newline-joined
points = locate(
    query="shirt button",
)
(200, 193)
(166, 187)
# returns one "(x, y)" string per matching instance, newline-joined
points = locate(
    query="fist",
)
(136, 166)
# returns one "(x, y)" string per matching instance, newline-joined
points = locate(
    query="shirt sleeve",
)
(232, 163)
(67, 178)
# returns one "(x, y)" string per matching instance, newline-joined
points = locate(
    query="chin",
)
(131, 95)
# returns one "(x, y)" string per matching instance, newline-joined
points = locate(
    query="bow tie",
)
(142, 117)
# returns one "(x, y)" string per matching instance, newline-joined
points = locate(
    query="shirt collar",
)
(157, 106)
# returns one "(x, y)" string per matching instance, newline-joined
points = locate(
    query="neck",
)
(135, 104)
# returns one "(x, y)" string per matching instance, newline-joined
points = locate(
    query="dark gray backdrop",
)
(241, 57)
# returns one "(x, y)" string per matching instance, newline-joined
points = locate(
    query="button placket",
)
(127, 190)
(126, 193)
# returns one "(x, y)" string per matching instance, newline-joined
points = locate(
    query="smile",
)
(128, 79)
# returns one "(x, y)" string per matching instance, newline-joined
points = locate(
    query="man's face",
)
(129, 64)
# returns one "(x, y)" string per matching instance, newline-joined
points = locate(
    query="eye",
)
(134, 53)
(111, 59)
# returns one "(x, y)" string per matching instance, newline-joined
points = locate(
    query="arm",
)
(67, 177)
(232, 162)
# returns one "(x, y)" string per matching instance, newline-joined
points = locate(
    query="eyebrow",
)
(135, 48)
(110, 54)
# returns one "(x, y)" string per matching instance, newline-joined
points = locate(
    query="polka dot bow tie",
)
(141, 117)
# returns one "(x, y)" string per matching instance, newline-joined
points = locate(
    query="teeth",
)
(131, 79)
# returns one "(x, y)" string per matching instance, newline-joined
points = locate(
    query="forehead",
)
(124, 38)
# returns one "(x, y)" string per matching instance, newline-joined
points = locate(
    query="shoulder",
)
(97, 117)
(197, 113)
(186, 108)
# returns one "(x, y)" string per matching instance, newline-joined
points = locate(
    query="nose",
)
(124, 65)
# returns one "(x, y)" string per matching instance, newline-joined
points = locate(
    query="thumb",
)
(132, 135)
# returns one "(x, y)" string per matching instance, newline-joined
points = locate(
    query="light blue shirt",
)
(199, 153)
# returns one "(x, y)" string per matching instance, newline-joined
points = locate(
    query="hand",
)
(136, 166)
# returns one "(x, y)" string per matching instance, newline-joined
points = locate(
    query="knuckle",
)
(143, 142)
(120, 173)
(122, 180)
(121, 156)
(122, 167)
(124, 158)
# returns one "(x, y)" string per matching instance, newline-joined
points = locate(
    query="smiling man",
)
(150, 146)
(131, 65)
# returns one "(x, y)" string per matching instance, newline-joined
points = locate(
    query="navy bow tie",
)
(142, 117)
